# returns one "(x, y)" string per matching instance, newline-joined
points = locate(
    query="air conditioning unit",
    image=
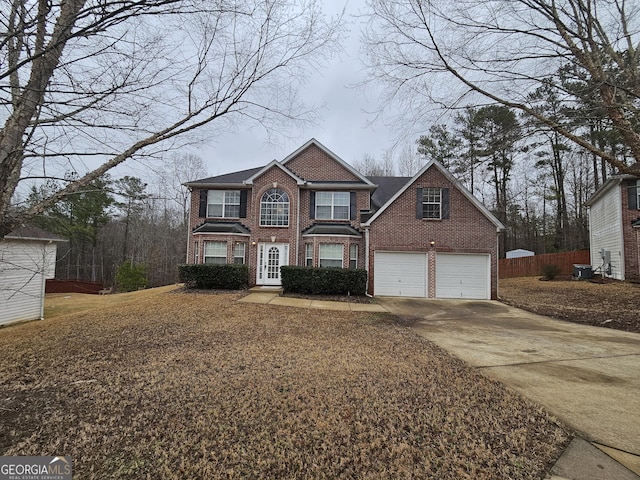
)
(582, 272)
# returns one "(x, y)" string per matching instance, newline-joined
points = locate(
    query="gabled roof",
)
(335, 157)
(274, 163)
(435, 164)
(31, 232)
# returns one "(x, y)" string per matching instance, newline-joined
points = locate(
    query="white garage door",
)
(400, 274)
(462, 276)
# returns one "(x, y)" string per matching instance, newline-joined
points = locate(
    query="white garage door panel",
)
(400, 274)
(462, 276)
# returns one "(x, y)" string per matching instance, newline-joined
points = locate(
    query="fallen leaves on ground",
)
(613, 304)
(198, 386)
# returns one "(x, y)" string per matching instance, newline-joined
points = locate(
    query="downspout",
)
(189, 226)
(44, 279)
(366, 259)
(497, 266)
(297, 226)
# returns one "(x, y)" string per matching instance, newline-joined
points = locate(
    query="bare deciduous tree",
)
(435, 54)
(98, 82)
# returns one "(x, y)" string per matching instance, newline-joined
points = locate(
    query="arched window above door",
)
(274, 208)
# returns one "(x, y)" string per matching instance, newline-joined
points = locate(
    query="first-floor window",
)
(353, 255)
(215, 252)
(196, 253)
(308, 248)
(330, 255)
(238, 253)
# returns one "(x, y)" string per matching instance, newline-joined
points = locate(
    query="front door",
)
(271, 256)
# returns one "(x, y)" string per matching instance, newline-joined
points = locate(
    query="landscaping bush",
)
(210, 276)
(130, 277)
(551, 271)
(324, 281)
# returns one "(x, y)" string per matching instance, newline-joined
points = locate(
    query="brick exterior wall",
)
(630, 236)
(467, 230)
(313, 163)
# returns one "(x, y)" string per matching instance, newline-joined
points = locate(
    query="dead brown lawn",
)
(183, 385)
(613, 305)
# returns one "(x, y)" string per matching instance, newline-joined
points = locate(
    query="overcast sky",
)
(343, 127)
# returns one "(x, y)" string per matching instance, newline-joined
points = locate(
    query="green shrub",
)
(324, 281)
(130, 277)
(210, 276)
(550, 271)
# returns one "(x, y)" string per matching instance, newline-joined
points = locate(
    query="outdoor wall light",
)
(432, 243)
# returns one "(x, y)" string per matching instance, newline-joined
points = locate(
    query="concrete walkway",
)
(588, 377)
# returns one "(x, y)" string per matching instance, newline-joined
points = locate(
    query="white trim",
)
(434, 163)
(344, 164)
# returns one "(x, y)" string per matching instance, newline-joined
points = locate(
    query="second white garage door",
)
(462, 276)
(400, 274)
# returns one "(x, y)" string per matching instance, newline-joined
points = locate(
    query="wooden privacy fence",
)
(72, 286)
(532, 266)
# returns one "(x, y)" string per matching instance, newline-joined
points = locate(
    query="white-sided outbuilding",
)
(519, 253)
(27, 259)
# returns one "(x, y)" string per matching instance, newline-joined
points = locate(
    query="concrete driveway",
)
(588, 377)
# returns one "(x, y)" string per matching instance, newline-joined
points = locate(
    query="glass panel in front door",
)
(273, 263)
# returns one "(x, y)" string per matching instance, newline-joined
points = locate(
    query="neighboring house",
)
(27, 259)
(425, 236)
(614, 227)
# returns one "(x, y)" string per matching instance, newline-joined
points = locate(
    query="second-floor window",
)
(332, 205)
(432, 203)
(274, 208)
(223, 204)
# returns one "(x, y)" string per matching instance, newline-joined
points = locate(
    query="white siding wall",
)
(605, 226)
(24, 266)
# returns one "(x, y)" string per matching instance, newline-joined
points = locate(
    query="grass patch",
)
(182, 386)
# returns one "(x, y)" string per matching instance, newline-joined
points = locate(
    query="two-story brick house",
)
(424, 236)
